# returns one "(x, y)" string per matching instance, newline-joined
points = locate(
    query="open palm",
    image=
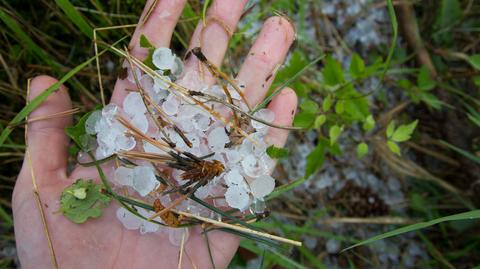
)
(103, 242)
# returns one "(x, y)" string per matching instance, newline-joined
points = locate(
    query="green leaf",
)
(394, 147)
(145, 43)
(77, 131)
(327, 103)
(474, 214)
(149, 59)
(82, 200)
(390, 129)
(476, 80)
(404, 84)
(332, 73)
(431, 100)
(474, 61)
(277, 153)
(340, 107)
(369, 123)
(309, 106)
(315, 159)
(303, 119)
(357, 66)
(424, 81)
(334, 133)
(362, 150)
(465, 153)
(319, 121)
(404, 132)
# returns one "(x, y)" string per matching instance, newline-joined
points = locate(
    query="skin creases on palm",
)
(103, 242)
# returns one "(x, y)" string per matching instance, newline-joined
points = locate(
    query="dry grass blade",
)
(149, 11)
(182, 248)
(47, 117)
(239, 228)
(138, 134)
(151, 157)
(97, 60)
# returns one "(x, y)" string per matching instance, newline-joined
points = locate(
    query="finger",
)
(47, 141)
(213, 36)
(266, 55)
(284, 105)
(158, 29)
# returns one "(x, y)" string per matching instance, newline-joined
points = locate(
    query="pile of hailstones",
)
(245, 181)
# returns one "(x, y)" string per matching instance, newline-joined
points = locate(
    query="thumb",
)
(47, 141)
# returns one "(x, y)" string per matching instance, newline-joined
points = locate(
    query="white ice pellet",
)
(175, 236)
(177, 69)
(147, 226)
(262, 186)
(128, 219)
(251, 166)
(237, 197)
(144, 180)
(147, 147)
(133, 104)
(125, 142)
(163, 58)
(92, 121)
(233, 177)
(161, 84)
(140, 122)
(217, 139)
(171, 105)
(263, 114)
(124, 176)
(201, 121)
(233, 156)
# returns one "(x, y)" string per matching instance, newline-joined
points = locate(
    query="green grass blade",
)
(41, 97)
(7, 219)
(474, 214)
(463, 152)
(24, 40)
(75, 17)
(286, 187)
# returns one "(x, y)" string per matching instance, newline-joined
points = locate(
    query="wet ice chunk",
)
(133, 104)
(92, 121)
(163, 58)
(171, 105)
(217, 139)
(147, 226)
(125, 142)
(201, 121)
(265, 115)
(147, 147)
(233, 177)
(140, 121)
(177, 69)
(128, 219)
(124, 176)
(161, 84)
(262, 186)
(175, 236)
(237, 197)
(144, 180)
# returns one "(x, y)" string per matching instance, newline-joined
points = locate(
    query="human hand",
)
(103, 242)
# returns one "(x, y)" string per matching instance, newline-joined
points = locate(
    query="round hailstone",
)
(217, 139)
(163, 58)
(128, 219)
(237, 197)
(140, 122)
(92, 121)
(88, 142)
(233, 156)
(160, 84)
(258, 206)
(265, 115)
(124, 176)
(233, 177)
(250, 166)
(109, 111)
(144, 180)
(177, 69)
(262, 186)
(171, 105)
(125, 142)
(201, 121)
(175, 236)
(133, 104)
(147, 226)
(149, 148)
